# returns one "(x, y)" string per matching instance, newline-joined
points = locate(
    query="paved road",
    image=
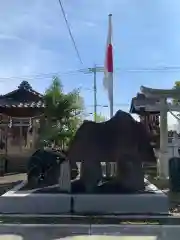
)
(52, 232)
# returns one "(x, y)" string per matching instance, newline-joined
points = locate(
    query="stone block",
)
(35, 203)
(153, 203)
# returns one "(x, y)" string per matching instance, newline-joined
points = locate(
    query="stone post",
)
(65, 177)
(163, 154)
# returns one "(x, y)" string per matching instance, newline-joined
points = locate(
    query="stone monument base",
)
(28, 202)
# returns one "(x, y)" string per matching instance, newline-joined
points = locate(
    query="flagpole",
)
(95, 95)
(111, 97)
(108, 165)
(109, 69)
(108, 77)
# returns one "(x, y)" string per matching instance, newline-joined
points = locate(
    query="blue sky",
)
(34, 41)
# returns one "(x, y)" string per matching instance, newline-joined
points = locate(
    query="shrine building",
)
(20, 112)
(139, 106)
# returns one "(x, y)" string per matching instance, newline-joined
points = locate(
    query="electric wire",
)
(80, 71)
(69, 30)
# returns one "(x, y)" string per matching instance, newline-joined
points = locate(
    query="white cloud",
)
(31, 35)
(90, 24)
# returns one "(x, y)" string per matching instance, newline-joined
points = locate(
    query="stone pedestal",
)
(154, 203)
(65, 177)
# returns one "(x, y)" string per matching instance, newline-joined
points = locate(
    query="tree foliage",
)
(176, 86)
(63, 114)
(100, 118)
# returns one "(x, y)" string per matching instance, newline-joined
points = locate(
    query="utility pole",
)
(95, 94)
(94, 71)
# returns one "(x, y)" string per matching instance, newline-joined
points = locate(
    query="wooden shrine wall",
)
(14, 132)
(151, 122)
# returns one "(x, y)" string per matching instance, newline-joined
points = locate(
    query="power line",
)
(39, 76)
(155, 69)
(80, 71)
(70, 33)
(146, 69)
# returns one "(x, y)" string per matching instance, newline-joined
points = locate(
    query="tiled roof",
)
(157, 93)
(22, 92)
(27, 90)
(7, 103)
(141, 100)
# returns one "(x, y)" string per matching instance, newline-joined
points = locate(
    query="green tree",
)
(176, 86)
(63, 114)
(100, 118)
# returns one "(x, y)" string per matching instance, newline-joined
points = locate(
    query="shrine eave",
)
(139, 103)
(32, 91)
(23, 96)
(160, 93)
(5, 103)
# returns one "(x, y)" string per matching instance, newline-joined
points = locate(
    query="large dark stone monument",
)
(120, 139)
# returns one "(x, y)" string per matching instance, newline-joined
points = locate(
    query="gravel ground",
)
(174, 197)
(8, 181)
